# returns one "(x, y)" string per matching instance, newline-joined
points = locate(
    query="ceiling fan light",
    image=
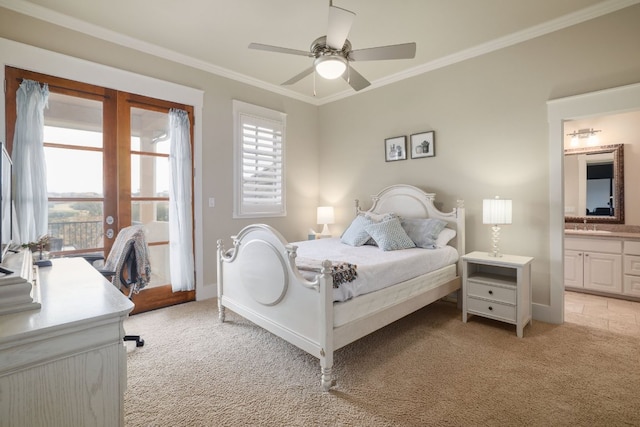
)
(330, 67)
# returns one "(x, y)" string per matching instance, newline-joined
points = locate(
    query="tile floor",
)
(612, 314)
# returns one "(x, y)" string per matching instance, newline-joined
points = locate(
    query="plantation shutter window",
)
(259, 162)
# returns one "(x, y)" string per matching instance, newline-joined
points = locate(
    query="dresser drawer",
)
(493, 309)
(496, 293)
(632, 265)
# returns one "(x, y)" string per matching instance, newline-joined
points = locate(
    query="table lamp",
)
(496, 212)
(325, 217)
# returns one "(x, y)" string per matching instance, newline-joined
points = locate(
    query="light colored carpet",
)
(426, 369)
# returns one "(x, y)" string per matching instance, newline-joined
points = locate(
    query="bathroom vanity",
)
(603, 262)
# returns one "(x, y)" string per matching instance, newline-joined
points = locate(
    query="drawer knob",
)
(490, 308)
(490, 292)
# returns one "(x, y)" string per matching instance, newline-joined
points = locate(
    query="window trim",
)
(243, 110)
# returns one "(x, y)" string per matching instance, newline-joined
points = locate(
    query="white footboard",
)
(258, 280)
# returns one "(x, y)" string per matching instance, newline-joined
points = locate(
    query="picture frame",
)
(423, 144)
(395, 148)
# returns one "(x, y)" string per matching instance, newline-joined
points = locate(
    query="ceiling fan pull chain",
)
(314, 83)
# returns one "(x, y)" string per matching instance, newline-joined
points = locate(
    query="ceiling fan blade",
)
(270, 48)
(355, 79)
(298, 77)
(340, 21)
(396, 51)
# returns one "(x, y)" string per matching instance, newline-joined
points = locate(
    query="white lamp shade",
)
(496, 211)
(330, 67)
(325, 215)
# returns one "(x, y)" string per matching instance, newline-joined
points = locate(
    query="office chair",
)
(127, 265)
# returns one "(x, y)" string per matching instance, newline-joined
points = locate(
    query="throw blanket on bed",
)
(342, 272)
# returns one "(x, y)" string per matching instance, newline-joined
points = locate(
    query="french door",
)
(107, 155)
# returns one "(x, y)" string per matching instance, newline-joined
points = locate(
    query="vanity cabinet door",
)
(603, 272)
(573, 268)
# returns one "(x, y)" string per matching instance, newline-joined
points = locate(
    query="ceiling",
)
(213, 35)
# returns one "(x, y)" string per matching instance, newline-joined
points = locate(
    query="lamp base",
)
(495, 238)
(325, 232)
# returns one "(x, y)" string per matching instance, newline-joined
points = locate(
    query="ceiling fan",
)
(333, 54)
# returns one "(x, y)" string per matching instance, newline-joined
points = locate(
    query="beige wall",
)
(489, 115)
(490, 119)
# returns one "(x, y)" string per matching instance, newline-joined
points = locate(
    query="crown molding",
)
(548, 27)
(44, 14)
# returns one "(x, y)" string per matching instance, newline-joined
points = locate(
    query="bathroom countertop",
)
(601, 233)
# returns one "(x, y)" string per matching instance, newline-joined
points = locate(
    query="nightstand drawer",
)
(492, 309)
(497, 293)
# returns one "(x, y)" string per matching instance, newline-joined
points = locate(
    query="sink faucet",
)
(585, 225)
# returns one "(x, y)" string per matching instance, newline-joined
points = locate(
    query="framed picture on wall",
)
(423, 145)
(395, 148)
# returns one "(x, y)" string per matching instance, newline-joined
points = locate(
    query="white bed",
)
(258, 279)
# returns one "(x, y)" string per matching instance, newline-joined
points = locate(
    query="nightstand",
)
(497, 288)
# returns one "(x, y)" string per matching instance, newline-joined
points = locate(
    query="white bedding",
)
(377, 269)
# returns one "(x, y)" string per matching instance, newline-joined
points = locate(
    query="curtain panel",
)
(30, 195)
(180, 202)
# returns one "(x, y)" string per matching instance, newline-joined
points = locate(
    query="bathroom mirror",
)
(594, 184)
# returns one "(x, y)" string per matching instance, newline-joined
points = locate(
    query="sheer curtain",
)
(180, 195)
(30, 194)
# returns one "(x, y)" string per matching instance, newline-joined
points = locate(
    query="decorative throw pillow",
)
(389, 235)
(445, 237)
(423, 231)
(375, 218)
(355, 234)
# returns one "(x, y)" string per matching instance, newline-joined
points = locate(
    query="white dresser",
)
(497, 288)
(64, 364)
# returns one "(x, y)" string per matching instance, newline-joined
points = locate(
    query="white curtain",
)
(30, 194)
(180, 196)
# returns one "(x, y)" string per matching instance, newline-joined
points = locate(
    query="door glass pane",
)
(159, 260)
(75, 225)
(149, 176)
(154, 215)
(73, 121)
(73, 173)
(149, 131)
(75, 183)
(152, 212)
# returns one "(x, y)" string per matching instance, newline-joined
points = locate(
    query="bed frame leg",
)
(221, 313)
(327, 380)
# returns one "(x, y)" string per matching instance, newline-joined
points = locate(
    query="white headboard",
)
(411, 202)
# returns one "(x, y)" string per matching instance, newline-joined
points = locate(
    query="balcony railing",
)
(75, 235)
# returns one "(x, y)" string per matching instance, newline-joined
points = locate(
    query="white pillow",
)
(423, 231)
(445, 237)
(389, 235)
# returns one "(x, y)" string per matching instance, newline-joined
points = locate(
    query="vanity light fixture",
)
(577, 135)
(496, 212)
(325, 217)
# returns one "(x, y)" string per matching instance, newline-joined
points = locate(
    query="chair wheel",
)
(139, 343)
